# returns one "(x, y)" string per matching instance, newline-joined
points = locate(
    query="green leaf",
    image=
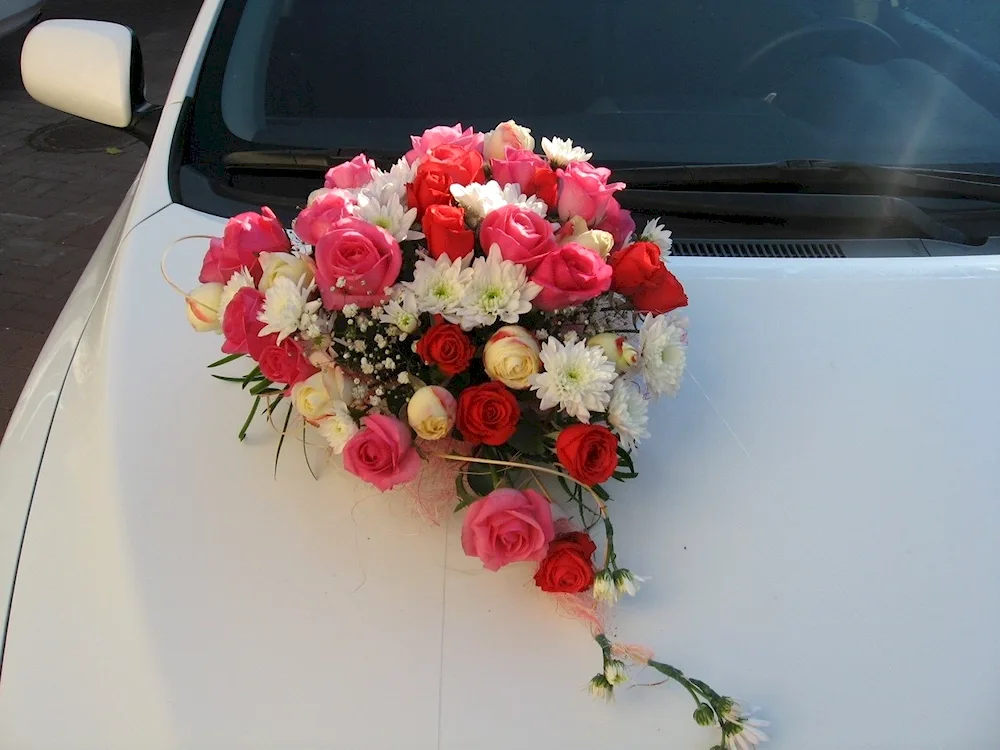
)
(482, 484)
(250, 416)
(251, 376)
(601, 492)
(228, 379)
(264, 384)
(225, 360)
(284, 429)
(466, 498)
(626, 460)
(527, 439)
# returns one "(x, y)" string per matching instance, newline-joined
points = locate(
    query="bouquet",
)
(481, 306)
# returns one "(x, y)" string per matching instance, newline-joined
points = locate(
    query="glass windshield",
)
(914, 82)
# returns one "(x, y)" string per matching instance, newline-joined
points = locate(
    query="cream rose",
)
(617, 349)
(511, 357)
(203, 306)
(431, 412)
(506, 134)
(575, 230)
(290, 266)
(318, 396)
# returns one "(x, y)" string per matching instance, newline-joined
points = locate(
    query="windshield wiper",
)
(812, 176)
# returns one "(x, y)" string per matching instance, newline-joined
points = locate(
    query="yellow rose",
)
(283, 264)
(431, 412)
(505, 134)
(598, 241)
(617, 349)
(511, 357)
(203, 305)
(319, 395)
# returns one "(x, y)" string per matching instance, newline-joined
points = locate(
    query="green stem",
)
(250, 416)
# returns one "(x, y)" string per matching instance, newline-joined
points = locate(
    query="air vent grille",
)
(758, 249)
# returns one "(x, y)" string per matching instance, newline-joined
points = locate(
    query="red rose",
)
(447, 233)
(284, 362)
(447, 346)
(545, 186)
(567, 568)
(487, 414)
(240, 325)
(640, 274)
(589, 452)
(444, 166)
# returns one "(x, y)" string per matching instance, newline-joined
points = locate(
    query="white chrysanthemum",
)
(478, 200)
(239, 280)
(512, 195)
(662, 352)
(387, 212)
(285, 305)
(499, 289)
(748, 732)
(561, 152)
(628, 413)
(339, 427)
(439, 286)
(577, 378)
(401, 311)
(386, 184)
(656, 233)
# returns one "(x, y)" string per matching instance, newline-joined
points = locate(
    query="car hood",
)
(817, 513)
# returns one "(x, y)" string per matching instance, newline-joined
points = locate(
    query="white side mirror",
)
(91, 69)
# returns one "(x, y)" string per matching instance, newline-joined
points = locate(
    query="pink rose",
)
(284, 362)
(523, 236)
(508, 526)
(355, 173)
(245, 237)
(382, 453)
(316, 218)
(570, 275)
(240, 325)
(517, 166)
(618, 222)
(584, 191)
(365, 256)
(441, 135)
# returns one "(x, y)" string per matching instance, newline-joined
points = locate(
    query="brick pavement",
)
(54, 207)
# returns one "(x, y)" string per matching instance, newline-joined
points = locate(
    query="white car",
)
(818, 511)
(15, 14)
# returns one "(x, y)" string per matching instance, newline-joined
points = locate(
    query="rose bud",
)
(317, 396)
(431, 412)
(598, 241)
(511, 356)
(506, 134)
(290, 266)
(203, 307)
(617, 349)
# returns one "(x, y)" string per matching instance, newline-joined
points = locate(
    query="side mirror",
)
(91, 69)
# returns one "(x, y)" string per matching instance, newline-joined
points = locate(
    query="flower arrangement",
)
(483, 306)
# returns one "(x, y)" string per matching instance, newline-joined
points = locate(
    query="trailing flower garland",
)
(483, 295)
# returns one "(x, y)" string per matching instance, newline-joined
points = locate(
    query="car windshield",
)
(901, 82)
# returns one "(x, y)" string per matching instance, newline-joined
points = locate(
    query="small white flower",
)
(439, 286)
(390, 214)
(367, 367)
(478, 200)
(403, 377)
(339, 427)
(656, 233)
(561, 152)
(541, 334)
(360, 345)
(601, 689)
(628, 413)
(577, 378)
(341, 283)
(351, 310)
(285, 303)
(604, 587)
(742, 731)
(626, 582)
(237, 281)
(615, 672)
(401, 312)
(499, 289)
(389, 363)
(662, 352)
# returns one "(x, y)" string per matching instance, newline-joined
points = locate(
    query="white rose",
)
(431, 412)
(511, 356)
(317, 397)
(506, 134)
(203, 306)
(290, 266)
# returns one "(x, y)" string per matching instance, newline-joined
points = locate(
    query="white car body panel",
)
(822, 541)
